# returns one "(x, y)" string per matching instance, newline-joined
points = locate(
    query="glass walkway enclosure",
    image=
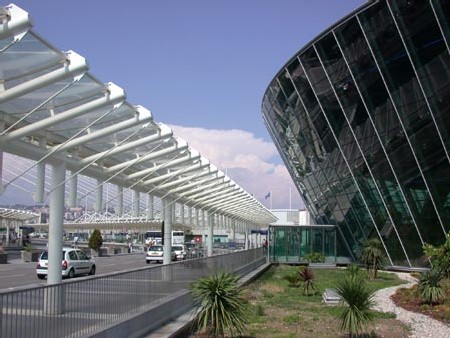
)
(298, 244)
(361, 118)
(56, 113)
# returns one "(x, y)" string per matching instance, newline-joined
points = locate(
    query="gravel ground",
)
(421, 326)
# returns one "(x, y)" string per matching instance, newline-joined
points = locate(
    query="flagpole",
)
(270, 199)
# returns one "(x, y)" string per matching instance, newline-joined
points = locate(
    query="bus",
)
(177, 237)
(155, 237)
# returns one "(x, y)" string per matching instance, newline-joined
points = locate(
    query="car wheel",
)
(148, 262)
(71, 273)
(92, 272)
(41, 276)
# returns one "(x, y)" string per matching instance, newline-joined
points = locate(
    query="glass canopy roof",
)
(52, 108)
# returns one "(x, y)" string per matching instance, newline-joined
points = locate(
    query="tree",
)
(439, 255)
(220, 307)
(430, 289)
(96, 240)
(373, 256)
(357, 300)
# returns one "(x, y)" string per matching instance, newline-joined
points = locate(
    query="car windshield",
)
(155, 248)
(178, 248)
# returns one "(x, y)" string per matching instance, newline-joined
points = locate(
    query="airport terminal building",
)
(361, 118)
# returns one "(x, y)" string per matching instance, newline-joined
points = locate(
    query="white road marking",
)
(12, 276)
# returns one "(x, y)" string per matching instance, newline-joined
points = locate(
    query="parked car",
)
(155, 253)
(180, 251)
(75, 262)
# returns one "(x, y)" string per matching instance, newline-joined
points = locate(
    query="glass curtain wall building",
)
(361, 118)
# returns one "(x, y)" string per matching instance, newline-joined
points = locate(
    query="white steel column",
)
(210, 234)
(167, 212)
(174, 215)
(233, 230)
(203, 226)
(136, 200)
(54, 297)
(247, 237)
(40, 175)
(182, 218)
(55, 231)
(190, 216)
(150, 210)
(73, 183)
(196, 223)
(99, 196)
(119, 206)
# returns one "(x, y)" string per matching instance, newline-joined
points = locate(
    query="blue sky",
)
(199, 65)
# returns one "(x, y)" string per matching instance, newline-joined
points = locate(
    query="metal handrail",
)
(84, 306)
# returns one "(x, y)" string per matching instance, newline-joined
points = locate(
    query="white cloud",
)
(248, 160)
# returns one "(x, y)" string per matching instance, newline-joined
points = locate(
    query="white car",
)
(74, 263)
(155, 253)
(180, 251)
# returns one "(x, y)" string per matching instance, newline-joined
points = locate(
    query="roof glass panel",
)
(27, 59)
(106, 117)
(24, 104)
(86, 89)
(7, 41)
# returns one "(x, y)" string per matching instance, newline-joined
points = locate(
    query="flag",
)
(267, 196)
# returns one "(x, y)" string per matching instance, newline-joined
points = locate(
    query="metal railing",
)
(83, 306)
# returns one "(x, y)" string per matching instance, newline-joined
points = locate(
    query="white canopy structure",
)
(54, 112)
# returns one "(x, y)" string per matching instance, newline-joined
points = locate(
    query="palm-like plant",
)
(373, 256)
(306, 275)
(430, 288)
(220, 308)
(357, 300)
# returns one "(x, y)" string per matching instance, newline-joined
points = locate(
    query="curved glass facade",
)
(361, 118)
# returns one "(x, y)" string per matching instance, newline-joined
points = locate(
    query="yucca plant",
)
(220, 307)
(429, 287)
(306, 275)
(357, 300)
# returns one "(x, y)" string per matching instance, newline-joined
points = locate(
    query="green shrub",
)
(293, 280)
(315, 257)
(439, 255)
(220, 307)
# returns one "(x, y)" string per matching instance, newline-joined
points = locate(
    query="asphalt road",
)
(18, 273)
